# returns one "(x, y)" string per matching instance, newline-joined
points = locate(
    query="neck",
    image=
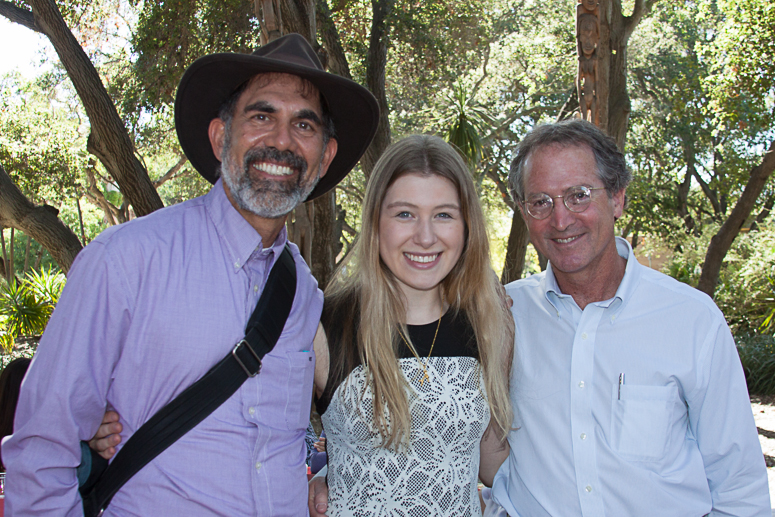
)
(268, 229)
(596, 283)
(423, 307)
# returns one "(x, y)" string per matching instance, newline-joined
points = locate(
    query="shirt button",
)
(258, 467)
(252, 410)
(236, 265)
(583, 436)
(581, 384)
(255, 288)
(588, 488)
(584, 335)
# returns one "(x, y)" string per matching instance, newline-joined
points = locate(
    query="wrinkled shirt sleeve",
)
(63, 396)
(721, 421)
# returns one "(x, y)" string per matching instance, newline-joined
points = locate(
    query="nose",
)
(561, 218)
(425, 233)
(279, 137)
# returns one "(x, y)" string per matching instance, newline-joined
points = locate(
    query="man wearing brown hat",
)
(151, 305)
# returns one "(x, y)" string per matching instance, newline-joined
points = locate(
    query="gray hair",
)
(611, 167)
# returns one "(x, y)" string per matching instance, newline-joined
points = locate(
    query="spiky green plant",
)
(26, 305)
(46, 284)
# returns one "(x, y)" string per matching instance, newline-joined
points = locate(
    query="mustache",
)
(287, 158)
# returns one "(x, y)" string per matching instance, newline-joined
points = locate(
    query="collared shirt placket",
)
(257, 269)
(584, 436)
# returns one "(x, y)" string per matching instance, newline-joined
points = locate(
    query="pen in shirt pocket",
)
(621, 383)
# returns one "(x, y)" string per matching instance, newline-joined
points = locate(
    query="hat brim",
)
(210, 80)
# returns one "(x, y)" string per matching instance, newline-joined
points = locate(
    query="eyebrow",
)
(412, 205)
(266, 107)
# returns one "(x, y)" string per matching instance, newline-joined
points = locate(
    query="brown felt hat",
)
(210, 80)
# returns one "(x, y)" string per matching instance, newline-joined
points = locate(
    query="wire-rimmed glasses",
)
(576, 199)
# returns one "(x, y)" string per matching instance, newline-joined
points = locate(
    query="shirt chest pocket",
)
(640, 420)
(285, 395)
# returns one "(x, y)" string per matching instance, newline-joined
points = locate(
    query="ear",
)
(217, 133)
(618, 200)
(328, 156)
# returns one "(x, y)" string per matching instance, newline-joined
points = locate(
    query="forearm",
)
(492, 453)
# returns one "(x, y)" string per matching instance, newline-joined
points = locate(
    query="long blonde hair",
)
(370, 303)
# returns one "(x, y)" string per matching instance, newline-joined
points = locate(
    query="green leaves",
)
(743, 61)
(467, 123)
(26, 305)
(39, 140)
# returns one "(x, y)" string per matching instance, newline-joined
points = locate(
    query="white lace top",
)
(438, 475)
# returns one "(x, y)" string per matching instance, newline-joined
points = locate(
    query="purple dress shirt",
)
(148, 308)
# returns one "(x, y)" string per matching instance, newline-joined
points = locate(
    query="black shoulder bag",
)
(203, 397)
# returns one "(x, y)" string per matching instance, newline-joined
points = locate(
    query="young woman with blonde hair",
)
(413, 363)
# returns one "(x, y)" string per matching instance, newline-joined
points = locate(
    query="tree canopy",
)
(692, 88)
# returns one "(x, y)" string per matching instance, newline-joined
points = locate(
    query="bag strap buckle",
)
(237, 348)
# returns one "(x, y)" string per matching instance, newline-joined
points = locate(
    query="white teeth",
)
(272, 169)
(565, 241)
(423, 259)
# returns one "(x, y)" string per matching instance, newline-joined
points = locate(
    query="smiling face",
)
(579, 245)
(421, 231)
(272, 152)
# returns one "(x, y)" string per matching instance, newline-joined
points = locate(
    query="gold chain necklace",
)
(433, 343)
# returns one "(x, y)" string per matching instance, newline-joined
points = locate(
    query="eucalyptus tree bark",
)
(515, 249)
(376, 62)
(613, 101)
(375, 67)
(108, 140)
(39, 222)
(337, 60)
(299, 16)
(722, 241)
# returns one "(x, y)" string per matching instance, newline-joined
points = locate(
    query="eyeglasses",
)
(576, 199)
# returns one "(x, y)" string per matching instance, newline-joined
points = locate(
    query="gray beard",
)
(265, 198)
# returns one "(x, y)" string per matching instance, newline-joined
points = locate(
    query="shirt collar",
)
(240, 239)
(625, 290)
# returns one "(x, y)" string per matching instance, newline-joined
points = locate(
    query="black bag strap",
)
(203, 397)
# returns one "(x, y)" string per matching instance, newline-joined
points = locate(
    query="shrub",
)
(757, 354)
(26, 305)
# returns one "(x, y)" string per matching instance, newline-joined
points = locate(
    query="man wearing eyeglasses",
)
(628, 392)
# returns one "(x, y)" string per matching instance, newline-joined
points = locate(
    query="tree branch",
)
(642, 8)
(19, 15)
(170, 174)
(722, 241)
(39, 222)
(109, 140)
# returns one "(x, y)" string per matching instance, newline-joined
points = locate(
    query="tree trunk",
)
(337, 60)
(108, 140)
(515, 250)
(722, 241)
(299, 16)
(613, 101)
(39, 222)
(375, 80)
(326, 244)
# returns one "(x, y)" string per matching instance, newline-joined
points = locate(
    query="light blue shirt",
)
(677, 437)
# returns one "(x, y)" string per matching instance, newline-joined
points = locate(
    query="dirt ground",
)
(764, 413)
